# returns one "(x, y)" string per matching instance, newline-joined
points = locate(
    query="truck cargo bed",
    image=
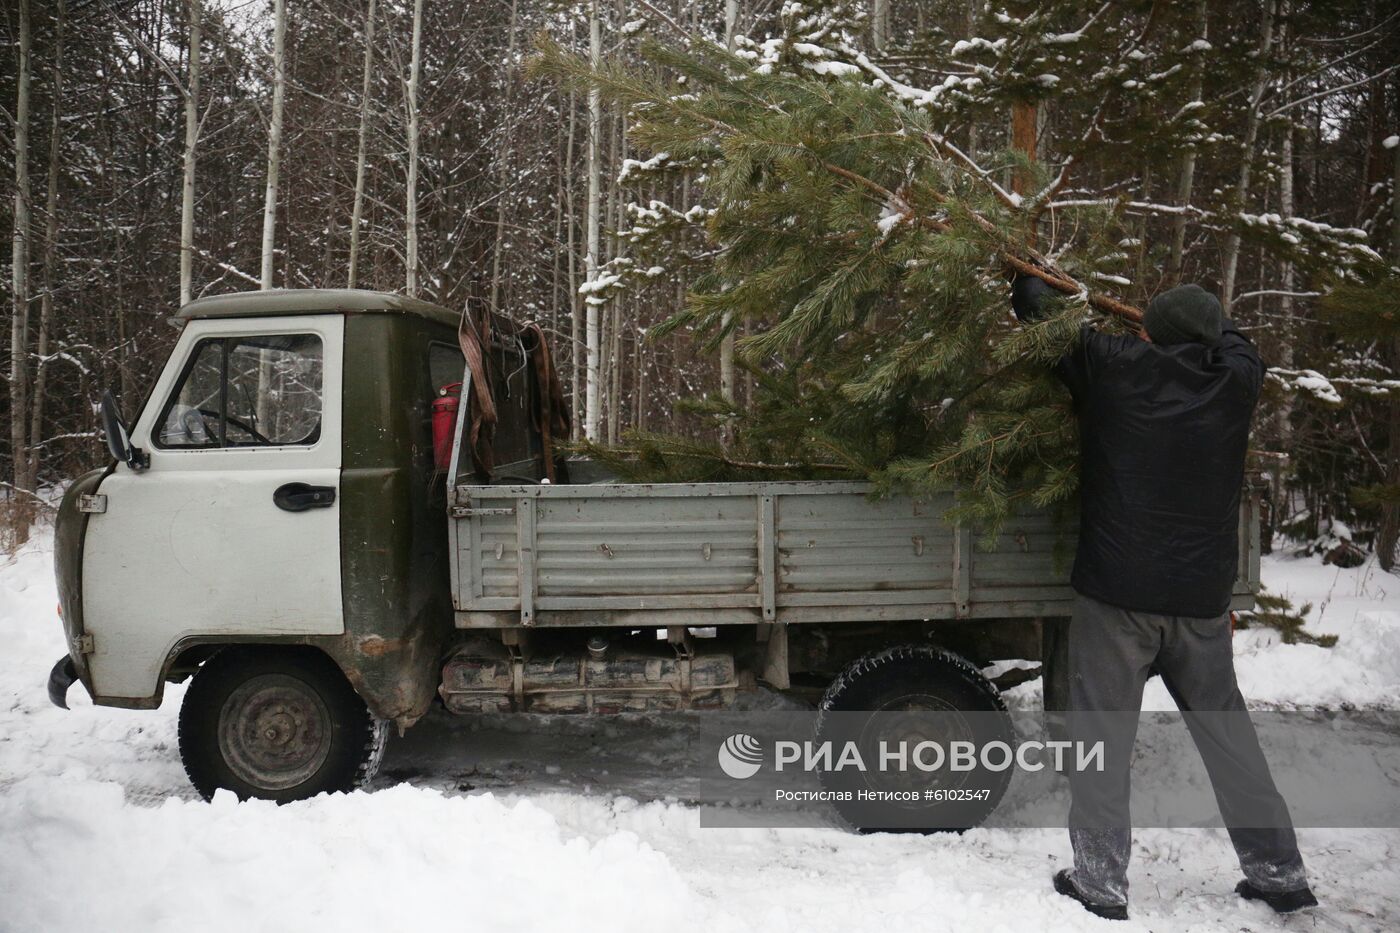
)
(731, 553)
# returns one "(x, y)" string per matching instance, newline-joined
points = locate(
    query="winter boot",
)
(1064, 884)
(1284, 902)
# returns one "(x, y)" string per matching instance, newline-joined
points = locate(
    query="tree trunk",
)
(36, 415)
(1251, 135)
(357, 207)
(22, 509)
(1186, 180)
(726, 345)
(191, 141)
(1140, 233)
(1025, 123)
(1286, 271)
(1389, 531)
(974, 16)
(1025, 137)
(617, 211)
(575, 307)
(879, 24)
(411, 193)
(615, 375)
(591, 221)
(503, 157)
(274, 157)
(677, 341)
(274, 138)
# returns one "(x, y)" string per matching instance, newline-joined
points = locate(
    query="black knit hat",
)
(1185, 314)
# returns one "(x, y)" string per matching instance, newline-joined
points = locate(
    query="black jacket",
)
(1163, 435)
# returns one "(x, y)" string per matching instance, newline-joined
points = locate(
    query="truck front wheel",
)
(909, 710)
(277, 723)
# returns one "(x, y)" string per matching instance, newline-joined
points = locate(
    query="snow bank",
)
(401, 859)
(1360, 605)
(100, 831)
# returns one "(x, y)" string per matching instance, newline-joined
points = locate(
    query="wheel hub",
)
(908, 720)
(274, 731)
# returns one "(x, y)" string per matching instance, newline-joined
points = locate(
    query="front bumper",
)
(62, 676)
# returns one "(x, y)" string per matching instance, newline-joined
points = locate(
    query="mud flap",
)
(60, 679)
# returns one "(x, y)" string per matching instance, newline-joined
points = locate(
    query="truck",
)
(336, 510)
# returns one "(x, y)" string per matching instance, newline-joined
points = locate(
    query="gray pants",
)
(1111, 652)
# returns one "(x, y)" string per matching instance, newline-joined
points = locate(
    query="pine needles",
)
(1278, 613)
(869, 262)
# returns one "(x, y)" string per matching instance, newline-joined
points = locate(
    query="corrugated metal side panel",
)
(601, 547)
(605, 553)
(499, 567)
(1031, 559)
(849, 544)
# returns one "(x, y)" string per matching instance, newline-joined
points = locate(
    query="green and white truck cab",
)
(276, 525)
(278, 494)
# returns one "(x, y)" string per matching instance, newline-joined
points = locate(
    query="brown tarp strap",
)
(551, 408)
(481, 407)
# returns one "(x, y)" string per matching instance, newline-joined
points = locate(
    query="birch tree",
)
(974, 16)
(575, 308)
(1286, 268)
(879, 24)
(191, 143)
(618, 153)
(1390, 530)
(592, 222)
(274, 138)
(503, 157)
(411, 193)
(19, 283)
(1251, 135)
(50, 261)
(358, 205)
(1187, 173)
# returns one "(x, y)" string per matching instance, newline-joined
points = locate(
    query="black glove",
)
(1028, 296)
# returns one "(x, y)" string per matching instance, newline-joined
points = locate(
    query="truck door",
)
(234, 529)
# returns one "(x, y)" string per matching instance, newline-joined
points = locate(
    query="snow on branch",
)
(1276, 293)
(631, 168)
(1309, 381)
(1324, 388)
(941, 143)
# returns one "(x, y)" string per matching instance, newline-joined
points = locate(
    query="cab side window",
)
(445, 364)
(256, 391)
(511, 385)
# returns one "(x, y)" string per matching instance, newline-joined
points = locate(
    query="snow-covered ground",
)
(99, 829)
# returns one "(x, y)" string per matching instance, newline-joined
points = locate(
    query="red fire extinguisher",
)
(444, 423)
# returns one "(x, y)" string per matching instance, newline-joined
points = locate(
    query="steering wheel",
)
(236, 422)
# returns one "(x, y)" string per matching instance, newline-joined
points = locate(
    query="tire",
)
(276, 723)
(905, 684)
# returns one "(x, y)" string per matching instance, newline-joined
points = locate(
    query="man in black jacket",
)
(1164, 426)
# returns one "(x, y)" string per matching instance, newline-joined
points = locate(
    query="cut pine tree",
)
(869, 256)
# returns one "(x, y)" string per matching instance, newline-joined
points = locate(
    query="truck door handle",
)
(298, 497)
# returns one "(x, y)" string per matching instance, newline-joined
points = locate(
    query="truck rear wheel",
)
(276, 723)
(922, 694)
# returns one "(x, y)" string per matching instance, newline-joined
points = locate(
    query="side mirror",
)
(118, 438)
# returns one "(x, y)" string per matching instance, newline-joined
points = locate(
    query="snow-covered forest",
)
(163, 150)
